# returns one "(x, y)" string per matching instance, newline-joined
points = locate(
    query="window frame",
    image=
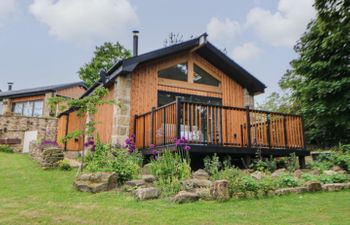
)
(208, 73)
(169, 66)
(32, 106)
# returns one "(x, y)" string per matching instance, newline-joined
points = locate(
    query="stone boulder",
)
(334, 187)
(96, 182)
(315, 171)
(185, 197)
(191, 184)
(257, 175)
(286, 191)
(200, 175)
(278, 172)
(313, 186)
(146, 169)
(48, 156)
(338, 169)
(204, 193)
(148, 178)
(298, 173)
(220, 190)
(135, 183)
(147, 193)
(329, 172)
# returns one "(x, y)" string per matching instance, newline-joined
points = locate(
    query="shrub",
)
(309, 177)
(339, 178)
(6, 149)
(170, 168)
(64, 165)
(342, 160)
(292, 162)
(212, 165)
(112, 159)
(287, 181)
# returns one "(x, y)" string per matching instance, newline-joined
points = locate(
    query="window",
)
(30, 108)
(203, 77)
(1, 107)
(177, 72)
(167, 97)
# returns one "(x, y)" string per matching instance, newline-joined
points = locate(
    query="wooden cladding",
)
(146, 84)
(219, 125)
(68, 124)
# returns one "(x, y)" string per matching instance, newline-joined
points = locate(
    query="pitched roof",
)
(202, 47)
(39, 90)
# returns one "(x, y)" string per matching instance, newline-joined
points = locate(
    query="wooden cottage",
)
(191, 90)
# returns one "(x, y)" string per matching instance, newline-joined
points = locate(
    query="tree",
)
(173, 39)
(319, 81)
(276, 103)
(105, 56)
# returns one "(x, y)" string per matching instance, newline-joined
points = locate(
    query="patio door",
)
(29, 136)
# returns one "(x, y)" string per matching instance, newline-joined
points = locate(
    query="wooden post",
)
(152, 125)
(164, 120)
(221, 138)
(285, 131)
(144, 132)
(178, 117)
(302, 162)
(134, 131)
(268, 130)
(66, 133)
(248, 127)
(303, 126)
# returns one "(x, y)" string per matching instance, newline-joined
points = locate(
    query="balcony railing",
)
(208, 124)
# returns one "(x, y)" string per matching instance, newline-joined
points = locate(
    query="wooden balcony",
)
(222, 129)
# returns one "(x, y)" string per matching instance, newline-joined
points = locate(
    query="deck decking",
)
(222, 129)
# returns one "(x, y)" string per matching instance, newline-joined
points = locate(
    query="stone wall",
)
(121, 115)
(15, 126)
(48, 156)
(248, 99)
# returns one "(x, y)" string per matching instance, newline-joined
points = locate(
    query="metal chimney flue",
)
(135, 42)
(10, 84)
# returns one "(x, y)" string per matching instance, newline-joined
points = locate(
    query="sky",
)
(44, 42)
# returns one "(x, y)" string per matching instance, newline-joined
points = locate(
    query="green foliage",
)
(6, 149)
(212, 165)
(276, 103)
(109, 159)
(64, 165)
(339, 157)
(287, 181)
(292, 162)
(105, 56)
(53, 102)
(169, 169)
(319, 80)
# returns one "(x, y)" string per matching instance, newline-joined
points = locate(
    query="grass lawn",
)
(29, 195)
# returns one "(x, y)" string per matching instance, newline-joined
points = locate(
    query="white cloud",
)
(84, 20)
(285, 26)
(223, 29)
(247, 51)
(7, 9)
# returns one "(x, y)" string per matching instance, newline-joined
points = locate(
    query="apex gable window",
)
(30, 108)
(200, 76)
(176, 72)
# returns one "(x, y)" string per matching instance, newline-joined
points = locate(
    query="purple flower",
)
(49, 142)
(130, 144)
(153, 149)
(187, 148)
(89, 143)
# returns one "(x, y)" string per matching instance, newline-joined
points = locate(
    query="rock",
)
(135, 183)
(333, 187)
(204, 193)
(185, 197)
(257, 175)
(191, 184)
(313, 186)
(329, 172)
(148, 178)
(286, 191)
(96, 182)
(278, 172)
(200, 175)
(298, 173)
(146, 169)
(338, 169)
(220, 190)
(147, 193)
